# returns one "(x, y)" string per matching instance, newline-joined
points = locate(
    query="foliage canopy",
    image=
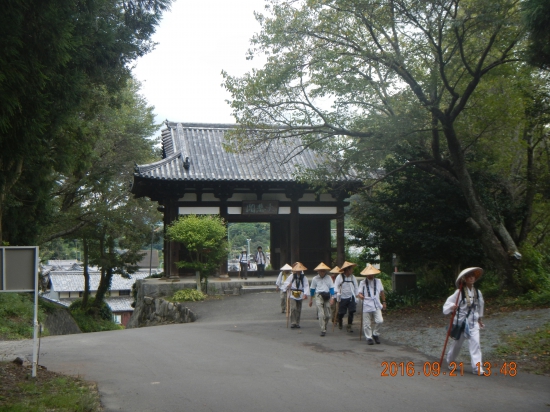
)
(428, 83)
(204, 237)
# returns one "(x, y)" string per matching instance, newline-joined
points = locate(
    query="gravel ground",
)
(426, 332)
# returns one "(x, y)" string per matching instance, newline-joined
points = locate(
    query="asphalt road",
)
(239, 356)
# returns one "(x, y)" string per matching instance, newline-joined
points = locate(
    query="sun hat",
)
(475, 270)
(370, 270)
(322, 266)
(286, 267)
(336, 269)
(348, 265)
(298, 267)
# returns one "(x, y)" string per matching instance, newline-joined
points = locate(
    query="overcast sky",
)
(196, 40)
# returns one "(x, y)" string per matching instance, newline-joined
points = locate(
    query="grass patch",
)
(49, 391)
(530, 351)
(17, 315)
(530, 300)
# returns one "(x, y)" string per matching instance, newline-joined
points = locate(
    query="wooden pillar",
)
(223, 214)
(294, 232)
(340, 238)
(171, 249)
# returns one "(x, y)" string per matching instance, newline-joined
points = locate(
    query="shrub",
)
(104, 312)
(188, 295)
(533, 272)
(93, 319)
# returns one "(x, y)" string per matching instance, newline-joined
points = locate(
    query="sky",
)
(198, 39)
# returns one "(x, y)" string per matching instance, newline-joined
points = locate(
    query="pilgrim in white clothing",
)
(469, 310)
(371, 291)
(299, 290)
(283, 275)
(322, 288)
(346, 291)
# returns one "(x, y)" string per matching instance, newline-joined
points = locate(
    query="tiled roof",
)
(121, 304)
(202, 146)
(117, 304)
(74, 281)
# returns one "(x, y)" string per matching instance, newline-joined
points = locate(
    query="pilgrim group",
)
(335, 293)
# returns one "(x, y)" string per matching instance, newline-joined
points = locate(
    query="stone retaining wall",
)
(157, 311)
(151, 309)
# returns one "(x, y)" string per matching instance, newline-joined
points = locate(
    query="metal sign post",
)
(19, 273)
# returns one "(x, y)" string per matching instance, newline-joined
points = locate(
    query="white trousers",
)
(473, 345)
(368, 318)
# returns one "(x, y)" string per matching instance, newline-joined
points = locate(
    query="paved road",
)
(239, 356)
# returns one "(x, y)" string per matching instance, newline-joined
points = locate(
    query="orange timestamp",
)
(434, 369)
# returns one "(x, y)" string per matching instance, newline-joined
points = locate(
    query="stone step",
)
(258, 288)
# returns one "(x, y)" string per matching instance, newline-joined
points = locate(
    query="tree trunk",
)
(9, 178)
(106, 275)
(86, 275)
(491, 244)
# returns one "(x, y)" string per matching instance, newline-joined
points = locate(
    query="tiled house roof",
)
(117, 304)
(72, 282)
(195, 152)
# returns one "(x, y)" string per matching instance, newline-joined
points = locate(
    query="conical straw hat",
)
(348, 265)
(336, 269)
(286, 267)
(370, 270)
(298, 267)
(322, 266)
(476, 271)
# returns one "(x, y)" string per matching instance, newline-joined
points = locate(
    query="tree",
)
(421, 219)
(204, 237)
(367, 79)
(54, 54)
(537, 21)
(238, 233)
(93, 202)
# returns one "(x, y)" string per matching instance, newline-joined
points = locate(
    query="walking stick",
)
(361, 330)
(287, 307)
(450, 326)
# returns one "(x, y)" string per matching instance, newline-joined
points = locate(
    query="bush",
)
(533, 273)
(188, 295)
(88, 323)
(104, 311)
(93, 319)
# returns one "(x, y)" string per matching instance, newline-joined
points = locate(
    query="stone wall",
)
(60, 322)
(157, 311)
(151, 309)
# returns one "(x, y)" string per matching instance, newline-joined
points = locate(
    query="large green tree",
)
(366, 79)
(93, 202)
(54, 54)
(537, 21)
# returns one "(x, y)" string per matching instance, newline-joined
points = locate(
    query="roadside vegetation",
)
(17, 315)
(187, 295)
(98, 320)
(531, 350)
(49, 391)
